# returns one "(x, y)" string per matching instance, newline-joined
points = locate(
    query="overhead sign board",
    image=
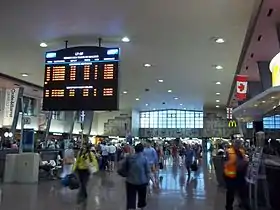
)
(81, 78)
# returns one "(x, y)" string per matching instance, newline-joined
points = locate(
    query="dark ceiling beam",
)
(246, 43)
(278, 32)
(21, 82)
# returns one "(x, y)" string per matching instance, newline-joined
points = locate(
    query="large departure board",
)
(81, 78)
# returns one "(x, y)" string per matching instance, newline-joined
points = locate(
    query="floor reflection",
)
(177, 191)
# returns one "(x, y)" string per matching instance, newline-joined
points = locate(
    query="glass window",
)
(145, 120)
(29, 106)
(57, 115)
(268, 122)
(172, 119)
(249, 125)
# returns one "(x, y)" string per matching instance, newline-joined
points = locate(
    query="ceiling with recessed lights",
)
(262, 42)
(174, 54)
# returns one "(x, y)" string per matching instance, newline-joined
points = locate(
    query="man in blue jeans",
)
(152, 157)
(137, 178)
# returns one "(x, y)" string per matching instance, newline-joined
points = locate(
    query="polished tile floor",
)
(107, 192)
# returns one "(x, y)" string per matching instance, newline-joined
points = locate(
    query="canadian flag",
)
(241, 86)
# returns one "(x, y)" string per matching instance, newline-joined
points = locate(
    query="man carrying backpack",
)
(235, 168)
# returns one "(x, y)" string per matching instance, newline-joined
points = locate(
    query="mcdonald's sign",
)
(232, 124)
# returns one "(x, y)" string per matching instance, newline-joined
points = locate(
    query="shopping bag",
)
(73, 182)
(93, 166)
(65, 181)
(92, 169)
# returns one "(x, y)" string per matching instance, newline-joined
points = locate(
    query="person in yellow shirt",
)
(235, 168)
(85, 160)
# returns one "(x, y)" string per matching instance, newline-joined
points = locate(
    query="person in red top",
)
(127, 150)
(174, 153)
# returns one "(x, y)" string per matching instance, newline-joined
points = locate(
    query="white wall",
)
(102, 117)
(57, 126)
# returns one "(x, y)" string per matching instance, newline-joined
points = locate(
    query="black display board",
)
(81, 78)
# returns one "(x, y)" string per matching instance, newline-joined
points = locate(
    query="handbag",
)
(123, 168)
(194, 166)
(161, 165)
(73, 182)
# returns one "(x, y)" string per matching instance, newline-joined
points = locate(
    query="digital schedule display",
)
(81, 78)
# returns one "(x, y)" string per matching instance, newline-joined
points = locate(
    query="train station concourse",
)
(121, 105)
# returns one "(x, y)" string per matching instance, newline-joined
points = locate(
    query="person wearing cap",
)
(235, 168)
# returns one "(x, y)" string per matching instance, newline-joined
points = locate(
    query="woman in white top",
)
(68, 161)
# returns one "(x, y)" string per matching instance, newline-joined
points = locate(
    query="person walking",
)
(112, 154)
(151, 155)
(234, 173)
(82, 166)
(105, 156)
(68, 161)
(189, 158)
(137, 179)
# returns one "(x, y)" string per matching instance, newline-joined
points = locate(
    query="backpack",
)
(123, 167)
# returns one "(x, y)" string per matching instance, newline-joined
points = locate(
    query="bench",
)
(50, 166)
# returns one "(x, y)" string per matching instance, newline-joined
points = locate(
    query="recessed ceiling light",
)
(218, 67)
(147, 65)
(43, 44)
(219, 40)
(154, 108)
(176, 98)
(24, 75)
(256, 105)
(185, 108)
(272, 97)
(217, 106)
(218, 83)
(169, 91)
(218, 94)
(137, 99)
(160, 80)
(125, 39)
(147, 104)
(124, 92)
(181, 104)
(218, 101)
(263, 101)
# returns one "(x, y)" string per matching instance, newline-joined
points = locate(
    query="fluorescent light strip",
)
(79, 87)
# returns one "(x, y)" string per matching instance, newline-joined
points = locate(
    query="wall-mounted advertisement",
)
(11, 98)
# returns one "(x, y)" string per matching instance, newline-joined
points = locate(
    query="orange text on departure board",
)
(108, 92)
(57, 93)
(48, 75)
(58, 73)
(73, 73)
(86, 72)
(109, 71)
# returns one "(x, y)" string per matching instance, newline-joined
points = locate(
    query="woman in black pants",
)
(138, 176)
(81, 167)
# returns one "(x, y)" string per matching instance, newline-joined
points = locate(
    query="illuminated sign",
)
(81, 78)
(232, 124)
(274, 67)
